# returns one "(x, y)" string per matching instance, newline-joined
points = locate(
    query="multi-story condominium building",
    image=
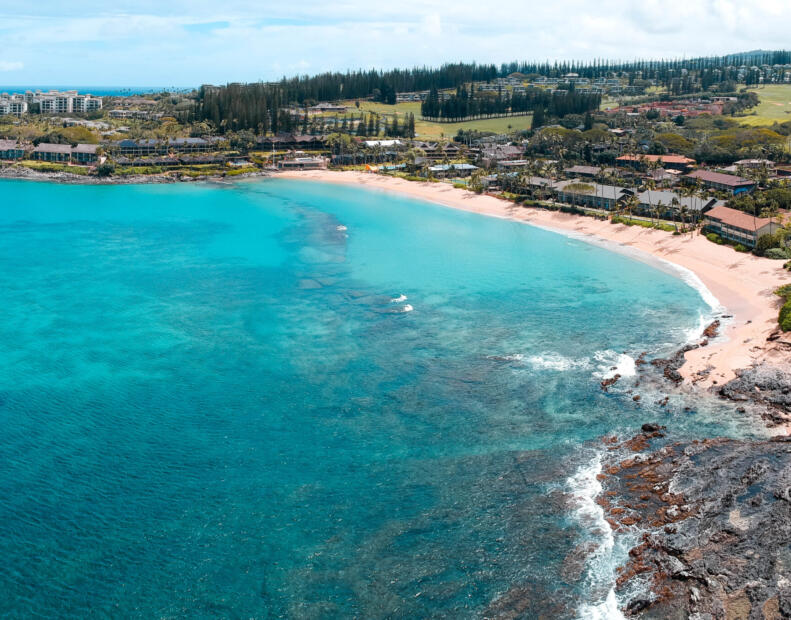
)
(13, 107)
(86, 103)
(57, 102)
(738, 226)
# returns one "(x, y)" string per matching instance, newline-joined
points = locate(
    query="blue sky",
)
(190, 42)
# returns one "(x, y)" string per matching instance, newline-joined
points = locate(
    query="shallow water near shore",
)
(291, 399)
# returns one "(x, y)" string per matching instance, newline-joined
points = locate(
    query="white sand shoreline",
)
(742, 284)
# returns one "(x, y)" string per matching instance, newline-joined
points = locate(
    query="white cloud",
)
(145, 42)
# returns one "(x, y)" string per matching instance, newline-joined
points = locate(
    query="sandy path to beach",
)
(743, 284)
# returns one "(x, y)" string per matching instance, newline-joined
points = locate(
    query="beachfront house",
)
(11, 149)
(59, 153)
(738, 226)
(452, 170)
(721, 182)
(594, 195)
(85, 154)
(303, 163)
(661, 204)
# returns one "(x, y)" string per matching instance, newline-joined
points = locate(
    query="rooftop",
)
(85, 148)
(45, 147)
(664, 159)
(718, 177)
(737, 219)
(657, 197)
(592, 170)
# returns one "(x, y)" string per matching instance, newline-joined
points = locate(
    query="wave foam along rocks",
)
(612, 363)
(399, 300)
(585, 488)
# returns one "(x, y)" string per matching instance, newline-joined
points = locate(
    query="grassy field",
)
(433, 131)
(775, 106)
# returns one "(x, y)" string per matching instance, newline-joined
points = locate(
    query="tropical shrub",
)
(766, 242)
(715, 238)
(776, 254)
(741, 248)
(105, 170)
(784, 320)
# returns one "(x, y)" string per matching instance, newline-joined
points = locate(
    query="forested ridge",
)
(263, 106)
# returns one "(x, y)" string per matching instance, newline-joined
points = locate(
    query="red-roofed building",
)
(669, 162)
(722, 182)
(738, 226)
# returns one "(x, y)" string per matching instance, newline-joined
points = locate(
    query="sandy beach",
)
(742, 283)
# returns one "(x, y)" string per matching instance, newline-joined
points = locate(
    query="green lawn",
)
(433, 131)
(775, 106)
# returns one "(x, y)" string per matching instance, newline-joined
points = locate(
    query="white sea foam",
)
(341, 228)
(555, 361)
(611, 363)
(407, 308)
(585, 487)
(694, 334)
(398, 300)
(606, 610)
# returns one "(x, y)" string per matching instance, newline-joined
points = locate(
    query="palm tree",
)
(683, 213)
(674, 204)
(659, 208)
(649, 185)
(631, 203)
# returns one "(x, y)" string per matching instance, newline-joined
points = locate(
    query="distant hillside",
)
(260, 106)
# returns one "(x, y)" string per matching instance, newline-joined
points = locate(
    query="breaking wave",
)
(611, 363)
(608, 552)
(555, 361)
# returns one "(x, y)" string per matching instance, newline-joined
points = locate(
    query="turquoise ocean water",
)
(288, 399)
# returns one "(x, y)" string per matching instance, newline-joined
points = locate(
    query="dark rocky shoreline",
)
(717, 522)
(715, 514)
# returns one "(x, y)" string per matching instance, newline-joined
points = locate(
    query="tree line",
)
(264, 106)
(465, 105)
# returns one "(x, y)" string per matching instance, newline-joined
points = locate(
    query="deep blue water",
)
(210, 406)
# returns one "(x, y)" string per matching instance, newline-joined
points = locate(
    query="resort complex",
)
(660, 162)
